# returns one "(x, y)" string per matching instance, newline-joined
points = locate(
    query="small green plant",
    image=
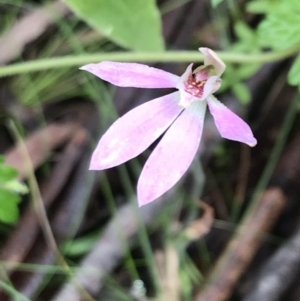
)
(279, 29)
(10, 190)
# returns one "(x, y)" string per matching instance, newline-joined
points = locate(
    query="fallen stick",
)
(242, 248)
(279, 273)
(109, 250)
(282, 268)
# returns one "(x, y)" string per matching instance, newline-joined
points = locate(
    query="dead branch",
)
(109, 250)
(278, 274)
(243, 246)
(282, 268)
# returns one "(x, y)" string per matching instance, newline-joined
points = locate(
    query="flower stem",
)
(167, 56)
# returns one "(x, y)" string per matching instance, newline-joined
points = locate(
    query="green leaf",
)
(247, 39)
(243, 31)
(80, 246)
(262, 6)
(9, 211)
(281, 27)
(7, 172)
(242, 93)
(215, 3)
(247, 70)
(15, 186)
(133, 24)
(9, 189)
(294, 73)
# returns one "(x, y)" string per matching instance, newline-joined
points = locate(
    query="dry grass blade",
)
(201, 226)
(109, 249)
(24, 235)
(167, 263)
(39, 146)
(29, 28)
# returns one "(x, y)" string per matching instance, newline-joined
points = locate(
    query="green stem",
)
(12, 292)
(167, 56)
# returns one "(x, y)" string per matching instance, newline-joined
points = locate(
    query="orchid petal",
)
(212, 85)
(186, 99)
(184, 77)
(135, 131)
(173, 154)
(230, 125)
(132, 75)
(211, 58)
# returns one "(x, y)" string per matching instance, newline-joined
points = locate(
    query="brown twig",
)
(279, 272)
(241, 249)
(109, 250)
(282, 268)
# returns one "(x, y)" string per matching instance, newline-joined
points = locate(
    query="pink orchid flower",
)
(179, 116)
